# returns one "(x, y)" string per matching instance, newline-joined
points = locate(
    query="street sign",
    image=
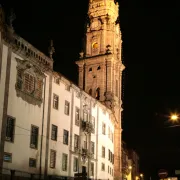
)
(162, 173)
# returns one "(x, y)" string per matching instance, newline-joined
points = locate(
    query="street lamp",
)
(130, 167)
(174, 117)
(141, 175)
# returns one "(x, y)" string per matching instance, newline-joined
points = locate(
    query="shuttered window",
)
(29, 83)
(10, 129)
(52, 159)
(54, 131)
(34, 137)
(64, 162)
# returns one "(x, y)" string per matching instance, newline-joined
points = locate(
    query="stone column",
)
(81, 76)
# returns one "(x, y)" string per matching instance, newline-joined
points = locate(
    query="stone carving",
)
(31, 93)
(51, 49)
(109, 100)
(87, 127)
(81, 55)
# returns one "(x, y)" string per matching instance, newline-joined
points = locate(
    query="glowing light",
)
(130, 167)
(174, 117)
(141, 175)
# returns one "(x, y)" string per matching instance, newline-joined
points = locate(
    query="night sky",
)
(150, 53)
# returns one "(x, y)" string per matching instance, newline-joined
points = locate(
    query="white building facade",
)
(51, 128)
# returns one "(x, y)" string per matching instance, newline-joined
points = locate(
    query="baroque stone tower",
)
(100, 65)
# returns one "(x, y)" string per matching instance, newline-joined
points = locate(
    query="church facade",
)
(51, 127)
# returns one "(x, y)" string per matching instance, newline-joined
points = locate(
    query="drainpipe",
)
(71, 132)
(42, 129)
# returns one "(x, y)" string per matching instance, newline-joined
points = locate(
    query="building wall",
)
(3, 59)
(25, 115)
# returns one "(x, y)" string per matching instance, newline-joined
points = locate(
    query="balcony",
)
(87, 127)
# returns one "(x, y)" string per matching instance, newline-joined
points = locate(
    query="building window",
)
(108, 169)
(93, 124)
(7, 157)
(109, 155)
(76, 142)
(55, 101)
(92, 147)
(103, 167)
(75, 168)
(103, 128)
(112, 172)
(109, 132)
(92, 169)
(29, 82)
(103, 152)
(90, 69)
(32, 162)
(99, 67)
(66, 108)
(34, 137)
(90, 92)
(65, 137)
(98, 93)
(52, 159)
(85, 116)
(112, 158)
(54, 132)
(10, 129)
(64, 162)
(77, 117)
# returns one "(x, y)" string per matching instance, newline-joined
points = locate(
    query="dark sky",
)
(151, 55)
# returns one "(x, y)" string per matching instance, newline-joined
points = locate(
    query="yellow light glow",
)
(130, 167)
(95, 45)
(141, 175)
(174, 117)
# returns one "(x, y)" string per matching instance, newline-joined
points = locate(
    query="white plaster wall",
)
(103, 140)
(2, 82)
(60, 119)
(25, 115)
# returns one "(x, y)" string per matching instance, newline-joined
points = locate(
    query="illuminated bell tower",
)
(100, 65)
